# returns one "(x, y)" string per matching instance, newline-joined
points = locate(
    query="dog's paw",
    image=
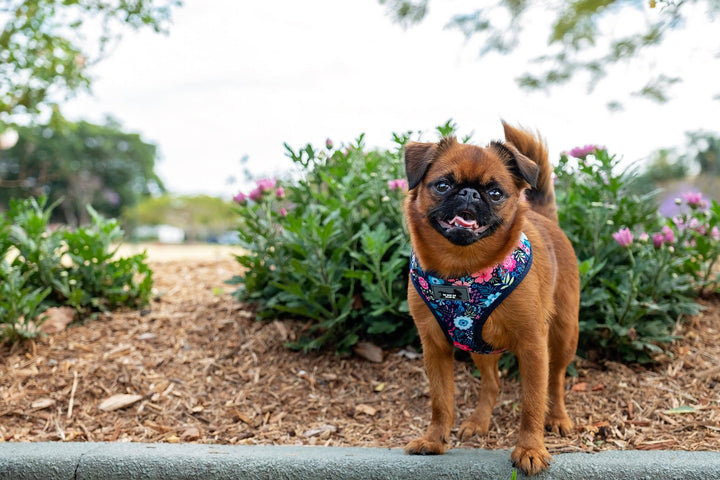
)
(470, 428)
(529, 460)
(563, 426)
(424, 446)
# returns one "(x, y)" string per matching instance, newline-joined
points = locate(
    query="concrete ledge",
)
(71, 461)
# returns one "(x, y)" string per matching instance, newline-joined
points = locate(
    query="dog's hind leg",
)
(479, 421)
(563, 339)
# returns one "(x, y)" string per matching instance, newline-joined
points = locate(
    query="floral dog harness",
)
(461, 306)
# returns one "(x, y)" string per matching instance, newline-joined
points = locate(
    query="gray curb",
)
(78, 461)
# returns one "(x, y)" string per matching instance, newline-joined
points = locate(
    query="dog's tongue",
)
(458, 220)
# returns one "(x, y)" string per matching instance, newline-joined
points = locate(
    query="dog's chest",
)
(462, 305)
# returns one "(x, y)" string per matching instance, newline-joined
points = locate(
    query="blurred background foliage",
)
(697, 165)
(79, 164)
(203, 218)
(47, 47)
(47, 51)
(583, 39)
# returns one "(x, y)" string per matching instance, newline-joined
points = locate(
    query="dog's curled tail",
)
(542, 196)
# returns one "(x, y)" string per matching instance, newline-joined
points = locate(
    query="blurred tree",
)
(81, 164)
(666, 164)
(663, 166)
(697, 164)
(706, 148)
(583, 35)
(47, 46)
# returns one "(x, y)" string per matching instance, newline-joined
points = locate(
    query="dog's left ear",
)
(520, 165)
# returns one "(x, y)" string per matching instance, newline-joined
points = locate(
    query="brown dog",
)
(471, 213)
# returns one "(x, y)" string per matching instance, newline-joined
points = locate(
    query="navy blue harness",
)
(462, 305)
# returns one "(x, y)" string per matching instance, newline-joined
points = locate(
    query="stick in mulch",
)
(72, 395)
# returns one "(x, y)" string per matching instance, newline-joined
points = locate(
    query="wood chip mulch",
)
(196, 367)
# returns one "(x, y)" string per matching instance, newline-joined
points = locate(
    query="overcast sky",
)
(236, 78)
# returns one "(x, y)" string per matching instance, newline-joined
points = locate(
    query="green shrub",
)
(96, 280)
(639, 273)
(332, 248)
(44, 267)
(20, 305)
(699, 241)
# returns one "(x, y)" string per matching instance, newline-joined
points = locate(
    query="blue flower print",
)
(463, 323)
(491, 298)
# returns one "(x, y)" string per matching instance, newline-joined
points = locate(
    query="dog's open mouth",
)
(463, 221)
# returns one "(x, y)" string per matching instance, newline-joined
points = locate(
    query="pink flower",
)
(643, 237)
(255, 194)
(582, 152)
(694, 224)
(658, 240)
(623, 237)
(715, 233)
(423, 283)
(282, 212)
(280, 192)
(693, 199)
(328, 144)
(668, 234)
(509, 264)
(398, 184)
(266, 184)
(240, 198)
(484, 275)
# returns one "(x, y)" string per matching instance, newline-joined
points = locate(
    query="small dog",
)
(491, 271)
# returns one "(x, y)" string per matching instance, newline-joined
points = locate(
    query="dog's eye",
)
(442, 187)
(495, 194)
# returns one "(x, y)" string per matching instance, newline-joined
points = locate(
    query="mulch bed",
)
(196, 367)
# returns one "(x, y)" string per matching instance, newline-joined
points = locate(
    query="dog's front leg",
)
(438, 357)
(530, 454)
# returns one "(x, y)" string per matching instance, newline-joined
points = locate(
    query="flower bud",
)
(240, 198)
(623, 237)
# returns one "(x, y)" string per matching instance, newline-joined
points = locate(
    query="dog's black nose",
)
(469, 193)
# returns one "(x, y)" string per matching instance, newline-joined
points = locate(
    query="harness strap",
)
(462, 305)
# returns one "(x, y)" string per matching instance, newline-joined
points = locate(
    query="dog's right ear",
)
(418, 157)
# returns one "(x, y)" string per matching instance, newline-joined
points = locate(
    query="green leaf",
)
(680, 410)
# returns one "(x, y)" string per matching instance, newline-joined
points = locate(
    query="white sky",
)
(237, 78)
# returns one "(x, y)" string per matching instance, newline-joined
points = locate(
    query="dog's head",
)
(465, 192)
